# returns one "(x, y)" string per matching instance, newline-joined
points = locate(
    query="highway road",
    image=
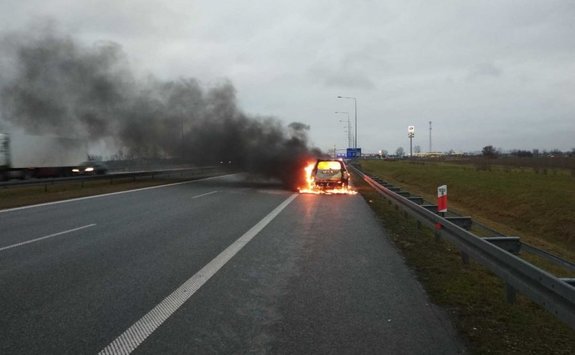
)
(220, 265)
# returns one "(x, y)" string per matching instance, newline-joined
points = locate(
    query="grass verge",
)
(17, 196)
(518, 202)
(473, 297)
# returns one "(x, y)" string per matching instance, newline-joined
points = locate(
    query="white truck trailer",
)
(27, 156)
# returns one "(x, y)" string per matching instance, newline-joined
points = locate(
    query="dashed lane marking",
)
(46, 237)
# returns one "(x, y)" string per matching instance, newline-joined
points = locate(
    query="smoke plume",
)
(52, 84)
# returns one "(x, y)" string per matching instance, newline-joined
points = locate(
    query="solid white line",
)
(143, 328)
(206, 194)
(109, 194)
(46, 237)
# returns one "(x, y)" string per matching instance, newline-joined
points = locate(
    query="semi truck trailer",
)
(25, 156)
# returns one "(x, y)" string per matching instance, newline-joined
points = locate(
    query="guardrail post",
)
(510, 244)
(463, 222)
(416, 199)
(437, 232)
(510, 293)
(430, 208)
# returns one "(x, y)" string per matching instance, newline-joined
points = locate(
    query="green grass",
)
(473, 297)
(534, 206)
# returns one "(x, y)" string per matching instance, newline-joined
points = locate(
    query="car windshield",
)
(329, 165)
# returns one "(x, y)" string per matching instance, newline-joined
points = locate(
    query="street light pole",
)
(355, 107)
(348, 128)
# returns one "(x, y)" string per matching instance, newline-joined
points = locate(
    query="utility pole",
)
(430, 136)
(410, 135)
(355, 109)
(349, 138)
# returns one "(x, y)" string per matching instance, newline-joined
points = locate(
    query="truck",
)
(24, 156)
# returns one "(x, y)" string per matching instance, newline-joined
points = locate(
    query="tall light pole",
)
(430, 136)
(348, 128)
(410, 135)
(355, 106)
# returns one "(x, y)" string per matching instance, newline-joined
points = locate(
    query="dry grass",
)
(473, 297)
(536, 207)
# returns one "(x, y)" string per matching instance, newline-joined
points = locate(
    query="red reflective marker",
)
(442, 198)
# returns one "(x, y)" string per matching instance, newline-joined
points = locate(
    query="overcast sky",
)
(497, 72)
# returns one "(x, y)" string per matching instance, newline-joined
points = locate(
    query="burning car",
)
(327, 176)
(330, 174)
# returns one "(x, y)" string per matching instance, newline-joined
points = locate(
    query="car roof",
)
(338, 160)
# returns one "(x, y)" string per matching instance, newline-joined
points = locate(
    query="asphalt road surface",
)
(221, 265)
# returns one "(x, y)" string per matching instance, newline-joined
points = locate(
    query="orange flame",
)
(310, 187)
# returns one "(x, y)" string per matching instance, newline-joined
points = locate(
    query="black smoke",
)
(52, 84)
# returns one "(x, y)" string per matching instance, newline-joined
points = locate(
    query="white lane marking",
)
(110, 194)
(143, 328)
(206, 194)
(46, 237)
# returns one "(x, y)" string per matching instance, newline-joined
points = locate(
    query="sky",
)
(498, 73)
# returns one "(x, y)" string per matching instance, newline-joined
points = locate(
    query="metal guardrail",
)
(548, 256)
(554, 294)
(124, 175)
(517, 244)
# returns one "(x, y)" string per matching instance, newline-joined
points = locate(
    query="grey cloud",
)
(294, 57)
(341, 79)
(484, 70)
(349, 81)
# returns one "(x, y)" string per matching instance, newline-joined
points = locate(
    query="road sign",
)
(353, 153)
(442, 198)
(411, 131)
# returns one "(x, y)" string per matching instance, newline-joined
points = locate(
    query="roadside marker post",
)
(442, 200)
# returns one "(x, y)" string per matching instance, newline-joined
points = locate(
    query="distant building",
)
(429, 154)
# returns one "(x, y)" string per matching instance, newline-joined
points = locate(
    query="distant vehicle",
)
(330, 174)
(90, 168)
(28, 156)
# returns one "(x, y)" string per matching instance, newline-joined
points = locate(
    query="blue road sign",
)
(353, 153)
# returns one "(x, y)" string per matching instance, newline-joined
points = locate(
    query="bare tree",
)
(489, 151)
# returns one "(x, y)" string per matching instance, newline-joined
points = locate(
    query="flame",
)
(310, 187)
